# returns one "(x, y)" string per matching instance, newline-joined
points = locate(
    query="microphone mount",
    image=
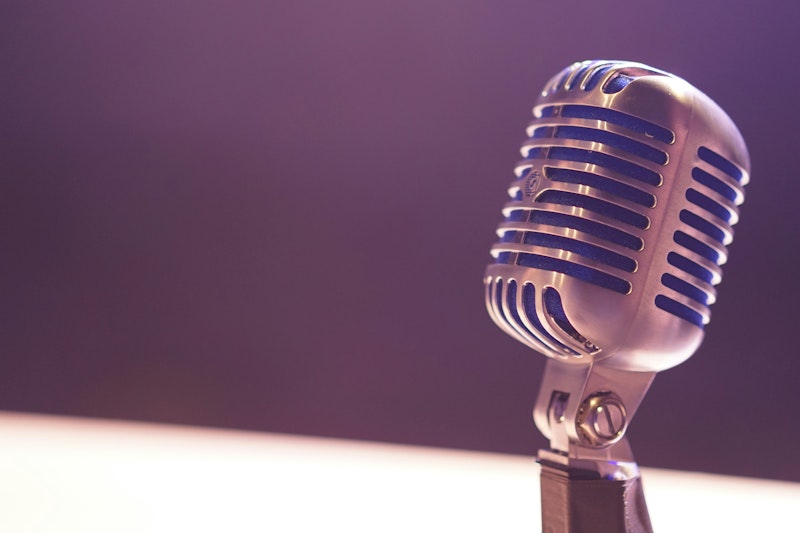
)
(585, 410)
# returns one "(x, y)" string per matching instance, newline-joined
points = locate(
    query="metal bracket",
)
(588, 406)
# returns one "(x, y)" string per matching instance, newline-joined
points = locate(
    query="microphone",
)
(608, 256)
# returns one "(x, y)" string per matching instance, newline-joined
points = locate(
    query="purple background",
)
(276, 216)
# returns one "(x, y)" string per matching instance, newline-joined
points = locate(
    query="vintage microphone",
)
(607, 259)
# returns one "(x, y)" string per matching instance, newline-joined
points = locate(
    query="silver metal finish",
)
(612, 244)
(602, 419)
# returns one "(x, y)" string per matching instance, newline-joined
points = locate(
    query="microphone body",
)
(612, 244)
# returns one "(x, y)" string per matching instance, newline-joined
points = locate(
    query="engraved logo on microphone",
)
(532, 182)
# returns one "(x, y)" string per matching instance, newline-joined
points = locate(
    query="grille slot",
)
(601, 183)
(601, 255)
(587, 274)
(694, 245)
(602, 207)
(719, 162)
(678, 309)
(691, 267)
(511, 301)
(619, 82)
(609, 162)
(712, 206)
(554, 307)
(578, 78)
(702, 225)
(597, 229)
(529, 306)
(715, 184)
(612, 116)
(605, 137)
(595, 78)
(685, 288)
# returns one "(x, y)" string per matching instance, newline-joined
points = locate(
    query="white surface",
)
(64, 474)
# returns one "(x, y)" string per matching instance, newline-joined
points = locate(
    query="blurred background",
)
(275, 216)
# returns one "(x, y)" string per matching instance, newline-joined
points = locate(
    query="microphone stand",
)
(577, 500)
(590, 481)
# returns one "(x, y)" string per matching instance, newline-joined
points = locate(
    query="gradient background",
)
(276, 216)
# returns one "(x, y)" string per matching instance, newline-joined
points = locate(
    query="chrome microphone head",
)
(619, 219)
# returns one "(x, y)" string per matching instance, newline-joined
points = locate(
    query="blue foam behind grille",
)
(587, 226)
(552, 302)
(590, 251)
(701, 224)
(678, 309)
(723, 164)
(529, 306)
(549, 111)
(612, 139)
(715, 184)
(602, 183)
(517, 215)
(535, 153)
(509, 236)
(589, 275)
(511, 300)
(503, 258)
(690, 267)
(498, 296)
(617, 84)
(690, 243)
(593, 204)
(596, 77)
(715, 208)
(612, 116)
(626, 168)
(563, 79)
(542, 133)
(687, 289)
(576, 81)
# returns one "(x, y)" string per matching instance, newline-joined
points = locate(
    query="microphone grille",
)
(619, 216)
(592, 171)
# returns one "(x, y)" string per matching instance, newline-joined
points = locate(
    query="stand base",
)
(578, 501)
